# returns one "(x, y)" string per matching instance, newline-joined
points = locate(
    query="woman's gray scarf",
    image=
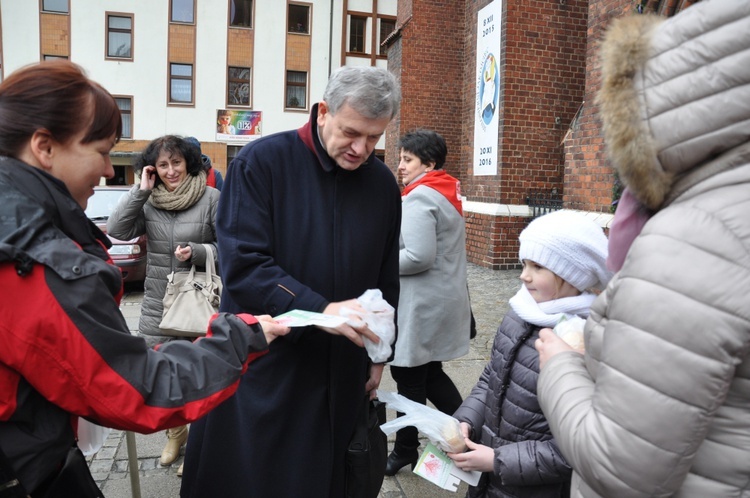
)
(185, 195)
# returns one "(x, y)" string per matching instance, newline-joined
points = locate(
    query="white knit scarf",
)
(548, 313)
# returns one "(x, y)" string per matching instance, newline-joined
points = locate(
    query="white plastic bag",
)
(443, 430)
(91, 437)
(570, 330)
(379, 318)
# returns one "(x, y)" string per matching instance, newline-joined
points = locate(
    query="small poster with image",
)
(234, 125)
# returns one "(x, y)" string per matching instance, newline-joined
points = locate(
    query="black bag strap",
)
(359, 441)
(10, 486)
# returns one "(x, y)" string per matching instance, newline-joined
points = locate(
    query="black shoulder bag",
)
(73, 481)
(367, 452)
(10, 486)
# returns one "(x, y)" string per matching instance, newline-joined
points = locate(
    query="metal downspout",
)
(330, 41)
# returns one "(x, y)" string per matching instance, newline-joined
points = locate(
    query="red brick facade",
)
(588, 178)
(549, 131)
(542, 75)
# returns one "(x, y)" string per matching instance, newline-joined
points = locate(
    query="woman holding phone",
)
(175, 208)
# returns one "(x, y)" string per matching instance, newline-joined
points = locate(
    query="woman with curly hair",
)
(176, 210)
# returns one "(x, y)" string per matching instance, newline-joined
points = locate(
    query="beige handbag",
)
(191, 300)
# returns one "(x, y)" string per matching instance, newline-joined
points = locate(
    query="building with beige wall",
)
(174, 64)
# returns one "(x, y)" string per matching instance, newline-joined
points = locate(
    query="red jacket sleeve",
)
(69, 341)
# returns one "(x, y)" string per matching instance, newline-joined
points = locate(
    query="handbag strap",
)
(210, 264)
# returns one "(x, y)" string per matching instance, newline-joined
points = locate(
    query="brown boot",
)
(179, 471)
(176, 437)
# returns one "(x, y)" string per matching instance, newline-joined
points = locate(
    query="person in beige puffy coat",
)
(659, 405)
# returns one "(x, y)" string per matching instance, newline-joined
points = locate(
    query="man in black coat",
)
(308, 219)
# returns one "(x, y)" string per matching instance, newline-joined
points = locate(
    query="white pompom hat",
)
(570, 245)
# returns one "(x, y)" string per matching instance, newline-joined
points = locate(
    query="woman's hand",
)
(148, 178)
(271, 328)
(548, 345)
(478, 457)
(183, 253)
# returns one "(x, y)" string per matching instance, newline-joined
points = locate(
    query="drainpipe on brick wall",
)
(330, 41)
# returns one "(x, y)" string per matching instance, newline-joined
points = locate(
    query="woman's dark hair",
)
(58, 97)
(170, 144)
(427, 145)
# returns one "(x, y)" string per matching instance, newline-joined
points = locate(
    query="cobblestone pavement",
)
(490, 291)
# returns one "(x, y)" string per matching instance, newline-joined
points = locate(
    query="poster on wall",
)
(488, 89)
(238, 126)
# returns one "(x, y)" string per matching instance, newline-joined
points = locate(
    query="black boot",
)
(398, 459)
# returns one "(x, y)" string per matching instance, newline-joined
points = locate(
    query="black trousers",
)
(422, 383)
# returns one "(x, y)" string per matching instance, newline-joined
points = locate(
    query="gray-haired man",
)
(309, 219)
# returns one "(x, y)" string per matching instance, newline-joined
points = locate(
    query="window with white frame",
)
(181, 83)
(120, 36)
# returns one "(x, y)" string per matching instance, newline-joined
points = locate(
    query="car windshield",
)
(102, 203)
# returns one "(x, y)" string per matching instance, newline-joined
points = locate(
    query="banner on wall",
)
(238, 126)
(488, 89)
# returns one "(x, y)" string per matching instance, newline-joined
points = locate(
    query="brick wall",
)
(549, 131)
(542, 70)
(492, 240)
(218, 154)
(392, 131)
(181, 47)
(428, 59)
(298, 52)
(54, 32)
(588, 177)
(240, 47)
(542, 78)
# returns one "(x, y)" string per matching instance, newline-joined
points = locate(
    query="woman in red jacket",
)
(67, 352)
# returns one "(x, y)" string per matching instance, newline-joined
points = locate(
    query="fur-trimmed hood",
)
(675, 97)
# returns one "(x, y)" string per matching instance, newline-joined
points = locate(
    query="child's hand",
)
(465, 429)
(478, 457)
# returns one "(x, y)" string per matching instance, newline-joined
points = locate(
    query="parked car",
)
(128, 255)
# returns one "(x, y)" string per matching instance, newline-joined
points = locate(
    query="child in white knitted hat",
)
(564, 265)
